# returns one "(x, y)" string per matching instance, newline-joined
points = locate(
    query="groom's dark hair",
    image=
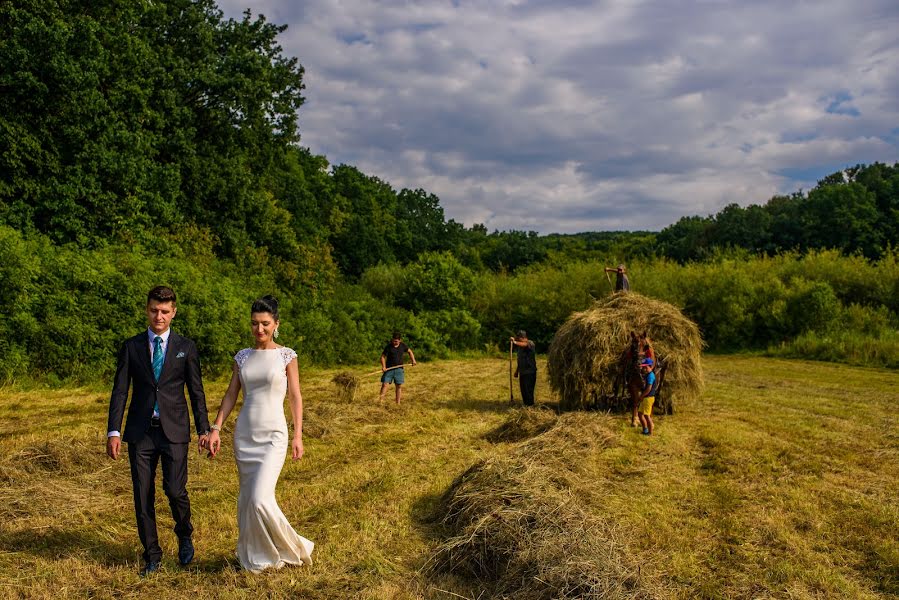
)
(161, 293)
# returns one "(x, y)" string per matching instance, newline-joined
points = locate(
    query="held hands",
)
(213, 443)
(296, 448)
(113, 447)
(203, 443)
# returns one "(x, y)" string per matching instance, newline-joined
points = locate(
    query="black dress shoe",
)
(185, 551)
(149, 568)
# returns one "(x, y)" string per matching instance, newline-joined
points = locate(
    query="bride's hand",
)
(297, 448)
(214, 443)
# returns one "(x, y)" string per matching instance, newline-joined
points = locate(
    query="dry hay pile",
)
(317, 420)
(518, 529)
(347, 384)
(44, 475)
(585, 356)
(525, 423)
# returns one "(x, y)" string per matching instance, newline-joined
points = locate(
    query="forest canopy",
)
(159, 142)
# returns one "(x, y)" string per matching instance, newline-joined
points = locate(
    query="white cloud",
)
(595, 115)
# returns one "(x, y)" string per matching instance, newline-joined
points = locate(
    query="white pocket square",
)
(180, 355)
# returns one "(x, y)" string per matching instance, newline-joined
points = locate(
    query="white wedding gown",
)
(266, 538)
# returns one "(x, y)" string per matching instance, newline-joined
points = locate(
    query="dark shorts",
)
(396, 376)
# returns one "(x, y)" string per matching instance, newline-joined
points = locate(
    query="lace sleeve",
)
(241, 357)
(288, 355)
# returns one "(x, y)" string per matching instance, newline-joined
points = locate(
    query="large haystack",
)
(518, 527)
(585, 357)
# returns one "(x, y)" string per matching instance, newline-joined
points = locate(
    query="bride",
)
(266, 373)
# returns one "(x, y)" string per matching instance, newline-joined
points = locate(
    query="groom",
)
(159, 363)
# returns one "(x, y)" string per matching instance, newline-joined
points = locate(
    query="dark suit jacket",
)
(181, 368)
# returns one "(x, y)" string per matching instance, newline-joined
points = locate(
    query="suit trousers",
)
(144, 455)
(527, 382)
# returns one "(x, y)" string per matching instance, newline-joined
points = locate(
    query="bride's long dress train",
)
(266, 538)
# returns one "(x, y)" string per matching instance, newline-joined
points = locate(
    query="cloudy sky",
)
(583, 115)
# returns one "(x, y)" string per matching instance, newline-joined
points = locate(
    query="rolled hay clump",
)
(523, 424)
(70, 457)
(316, 421)
(516, 525)
(585, 361)
(347, 384)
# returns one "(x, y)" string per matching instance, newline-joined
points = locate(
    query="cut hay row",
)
(585, 357)
(517, 527)
(523, 424)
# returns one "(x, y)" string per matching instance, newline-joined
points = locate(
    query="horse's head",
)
(644, 341)
(634, 349)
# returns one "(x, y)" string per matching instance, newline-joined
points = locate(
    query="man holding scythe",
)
(392, 370)
(621, 282)
(526, 370)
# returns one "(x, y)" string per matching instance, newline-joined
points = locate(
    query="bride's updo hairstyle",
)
(266, 304)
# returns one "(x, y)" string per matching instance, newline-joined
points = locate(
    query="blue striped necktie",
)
(158, 358)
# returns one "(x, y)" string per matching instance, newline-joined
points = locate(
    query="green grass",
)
(780, 483)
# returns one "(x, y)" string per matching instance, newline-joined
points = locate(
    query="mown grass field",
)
(780, 483)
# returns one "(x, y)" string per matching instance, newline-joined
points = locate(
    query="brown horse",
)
(633, 379)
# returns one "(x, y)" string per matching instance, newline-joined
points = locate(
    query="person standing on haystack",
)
(526, 370)
(621, 282)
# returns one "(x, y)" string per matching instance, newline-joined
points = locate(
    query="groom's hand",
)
(113, 447)
(203, 443)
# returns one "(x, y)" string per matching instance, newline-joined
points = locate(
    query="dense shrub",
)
(538, 300)
(843, 346)
(813, 307)
(436, 281)
(64, 310)
(740, 301)
(68, 309)
(383, 281)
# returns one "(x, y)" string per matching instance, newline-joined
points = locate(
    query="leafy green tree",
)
(687, 239)
(437, 281)
(844, 217)
(512, 250)
(120, 120)
(883, 181)
(748, 228)
(421, 225)
(787, 229)
(365, 231)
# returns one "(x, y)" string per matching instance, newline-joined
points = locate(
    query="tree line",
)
(158, 142)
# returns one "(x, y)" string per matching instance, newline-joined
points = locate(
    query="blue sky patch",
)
(840, 104)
